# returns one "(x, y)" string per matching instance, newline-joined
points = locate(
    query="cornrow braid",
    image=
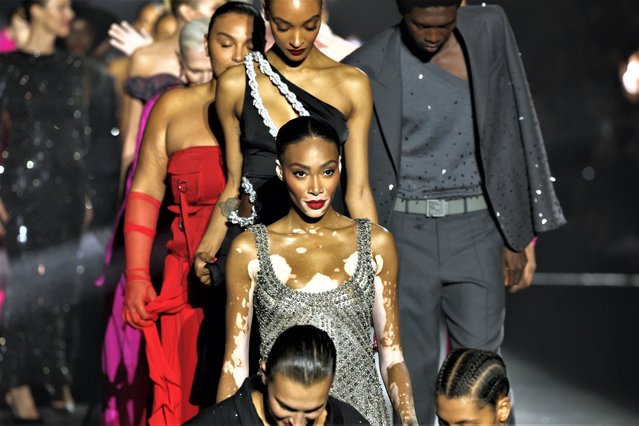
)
(473, 373)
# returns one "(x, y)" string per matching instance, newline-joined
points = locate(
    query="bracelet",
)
(234, 216)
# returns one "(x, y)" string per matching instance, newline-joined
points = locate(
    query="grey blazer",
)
(517, 179)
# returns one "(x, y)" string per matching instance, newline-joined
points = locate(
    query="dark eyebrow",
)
(280, 21)
(328, 163)
(286, 407)
(447, 24)
(221, 33)
(302, 166)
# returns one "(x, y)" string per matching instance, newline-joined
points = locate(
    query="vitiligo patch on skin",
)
(313, 231)
(298, 231)
(379, 264)
(301, 250)
(281, 267)
(238, 250)
(320, 283)
(350, 264)
(334, 233)
(336, 270)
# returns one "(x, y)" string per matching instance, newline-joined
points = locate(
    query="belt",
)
(441, 208)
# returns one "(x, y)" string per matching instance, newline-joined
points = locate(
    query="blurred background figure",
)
(332, 45)
(88, 35)
(16, 32)
(165, 26)
(57, 109)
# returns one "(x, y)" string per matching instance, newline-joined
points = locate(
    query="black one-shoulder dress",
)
(258, 142)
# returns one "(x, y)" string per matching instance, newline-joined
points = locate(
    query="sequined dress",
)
(345, 313)
(54, 109)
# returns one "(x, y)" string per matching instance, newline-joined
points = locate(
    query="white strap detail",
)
(265, 68)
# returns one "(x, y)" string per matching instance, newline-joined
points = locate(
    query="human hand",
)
(127, 39)
(201, 271)
(4, 218)
(529, 270)
(137, 295)
(513, 265)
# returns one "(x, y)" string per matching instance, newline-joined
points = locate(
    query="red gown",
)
(196, 180)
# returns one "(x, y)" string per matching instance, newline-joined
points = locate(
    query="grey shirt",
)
(438, 154)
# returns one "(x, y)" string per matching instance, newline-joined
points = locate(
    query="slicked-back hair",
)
(192, 35)
(304, 354)
(267, 5)
(243, 8)
(300, 128)
(476, 374)
(26, 6)
(405, 6)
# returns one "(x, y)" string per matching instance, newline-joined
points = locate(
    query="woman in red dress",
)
(181, 149)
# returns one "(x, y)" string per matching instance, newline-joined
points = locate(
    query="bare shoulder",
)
(244, 245)
(351, 75)
(232, 79)
(146, 59)
(381, 238)
(350, 81)
(142, 60)
(170, 101)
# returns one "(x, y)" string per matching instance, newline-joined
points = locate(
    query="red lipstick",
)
(316, 204)
(296, 52)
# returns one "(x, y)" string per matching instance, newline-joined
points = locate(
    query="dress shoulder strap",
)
(261, 242)
(267, 70)
(364, 238)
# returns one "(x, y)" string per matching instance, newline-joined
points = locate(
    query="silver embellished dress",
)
(345, 313)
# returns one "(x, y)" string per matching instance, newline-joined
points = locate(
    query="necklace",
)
(267, 70)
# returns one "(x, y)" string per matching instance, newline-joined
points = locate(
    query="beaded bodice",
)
(345, 313)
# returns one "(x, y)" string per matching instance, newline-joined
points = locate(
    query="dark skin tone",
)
(429, 33)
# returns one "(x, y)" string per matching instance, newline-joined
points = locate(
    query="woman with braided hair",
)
(472, 388)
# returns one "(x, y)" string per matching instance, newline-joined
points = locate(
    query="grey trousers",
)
(450, 270)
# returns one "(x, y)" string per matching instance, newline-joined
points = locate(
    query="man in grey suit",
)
(461, 175)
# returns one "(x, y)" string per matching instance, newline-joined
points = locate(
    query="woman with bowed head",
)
(181, 148)
(124, 368)
(315, 266)
(292, 79)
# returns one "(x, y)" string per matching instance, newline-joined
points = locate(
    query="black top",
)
(239, 410)
(60, 147)
(258, 147)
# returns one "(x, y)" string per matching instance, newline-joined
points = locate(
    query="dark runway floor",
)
(572, 354)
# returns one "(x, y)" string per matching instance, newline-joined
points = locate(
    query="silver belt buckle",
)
(436, 208)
